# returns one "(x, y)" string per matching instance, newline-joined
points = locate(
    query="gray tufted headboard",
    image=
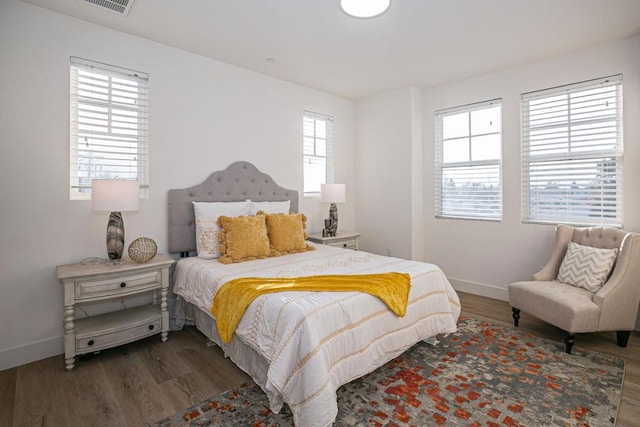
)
(238, 182)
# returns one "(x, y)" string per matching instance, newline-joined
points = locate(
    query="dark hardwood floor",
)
(148, 380)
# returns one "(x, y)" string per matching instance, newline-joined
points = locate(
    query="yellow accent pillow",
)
(243, 238)
(286, 233)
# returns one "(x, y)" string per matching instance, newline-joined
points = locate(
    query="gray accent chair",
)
(575, 310)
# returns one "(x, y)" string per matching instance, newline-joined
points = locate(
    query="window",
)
(108, 125)
(572, 154)
(317, 136)
(468, 161)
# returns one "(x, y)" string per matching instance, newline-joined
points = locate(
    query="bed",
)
(300, 347)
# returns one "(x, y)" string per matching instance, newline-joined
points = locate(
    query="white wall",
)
(204, 115)
(484, 257)
(389, 180)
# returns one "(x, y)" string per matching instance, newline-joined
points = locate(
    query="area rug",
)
(483, 374)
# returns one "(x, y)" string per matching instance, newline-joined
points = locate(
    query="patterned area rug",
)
(482, 375)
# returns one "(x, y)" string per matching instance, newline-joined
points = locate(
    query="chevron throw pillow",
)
(586, 267)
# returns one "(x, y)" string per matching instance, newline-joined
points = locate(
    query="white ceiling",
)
(417, 42)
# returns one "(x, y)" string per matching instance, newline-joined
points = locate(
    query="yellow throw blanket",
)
(234, 297)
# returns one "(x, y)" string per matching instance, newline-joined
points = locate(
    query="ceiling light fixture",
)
(365, 8)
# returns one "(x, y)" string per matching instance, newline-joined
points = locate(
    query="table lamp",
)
(332, 193)
(115, 196)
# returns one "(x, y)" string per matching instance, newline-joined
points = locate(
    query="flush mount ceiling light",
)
(364, 8)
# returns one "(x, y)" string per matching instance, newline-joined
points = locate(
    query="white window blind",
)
(317, 139)
(108, 125)
(572, 154)
(468, 156)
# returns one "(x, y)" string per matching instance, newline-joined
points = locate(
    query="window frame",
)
(109, 105)
(328, 150)
(440, 166)
(586, 141)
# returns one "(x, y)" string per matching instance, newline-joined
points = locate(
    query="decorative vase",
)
(142, 250)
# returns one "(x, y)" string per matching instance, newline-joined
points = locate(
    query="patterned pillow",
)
(207, 213)
(286, 233)
(243, 238)
(586, 267)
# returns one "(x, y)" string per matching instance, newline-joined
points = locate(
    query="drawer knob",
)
(151, 327)
(123, 284)
(90, 342)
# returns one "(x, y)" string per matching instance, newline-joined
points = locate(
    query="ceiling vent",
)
(121, 7)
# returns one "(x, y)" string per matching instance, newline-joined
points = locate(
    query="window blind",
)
(572, 154)
(317, 151)
(468, 151)
(108, 125)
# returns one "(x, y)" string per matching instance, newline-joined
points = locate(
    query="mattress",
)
(300, 347)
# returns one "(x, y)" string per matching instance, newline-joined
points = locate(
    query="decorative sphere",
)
(142, 250)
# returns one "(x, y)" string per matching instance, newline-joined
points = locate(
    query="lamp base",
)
(333, 219)
(115, 238)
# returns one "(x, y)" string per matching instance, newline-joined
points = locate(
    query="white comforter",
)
(314, 342)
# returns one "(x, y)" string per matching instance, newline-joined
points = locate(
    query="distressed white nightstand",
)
(343, 239)
(90, 283)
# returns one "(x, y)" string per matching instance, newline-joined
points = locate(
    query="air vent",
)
(121, 7)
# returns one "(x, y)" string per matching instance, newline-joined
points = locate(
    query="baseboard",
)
(481, 289)
(32, 352)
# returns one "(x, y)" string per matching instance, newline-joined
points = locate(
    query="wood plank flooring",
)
(148, 380)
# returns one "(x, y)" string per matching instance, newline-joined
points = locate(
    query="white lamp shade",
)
(333, 193)
(114, 195)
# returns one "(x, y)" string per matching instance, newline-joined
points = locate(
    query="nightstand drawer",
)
(117, 328)
(346, 244)
(117, 285)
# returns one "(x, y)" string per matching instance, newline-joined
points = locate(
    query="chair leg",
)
(515, 312)
(569, 341)
(623, 338)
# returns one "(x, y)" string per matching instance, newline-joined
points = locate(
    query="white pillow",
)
(270, 207)
(207, 213)
(586, 267)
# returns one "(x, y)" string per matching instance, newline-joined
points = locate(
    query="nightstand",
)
(90, 283)
(343, 239)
